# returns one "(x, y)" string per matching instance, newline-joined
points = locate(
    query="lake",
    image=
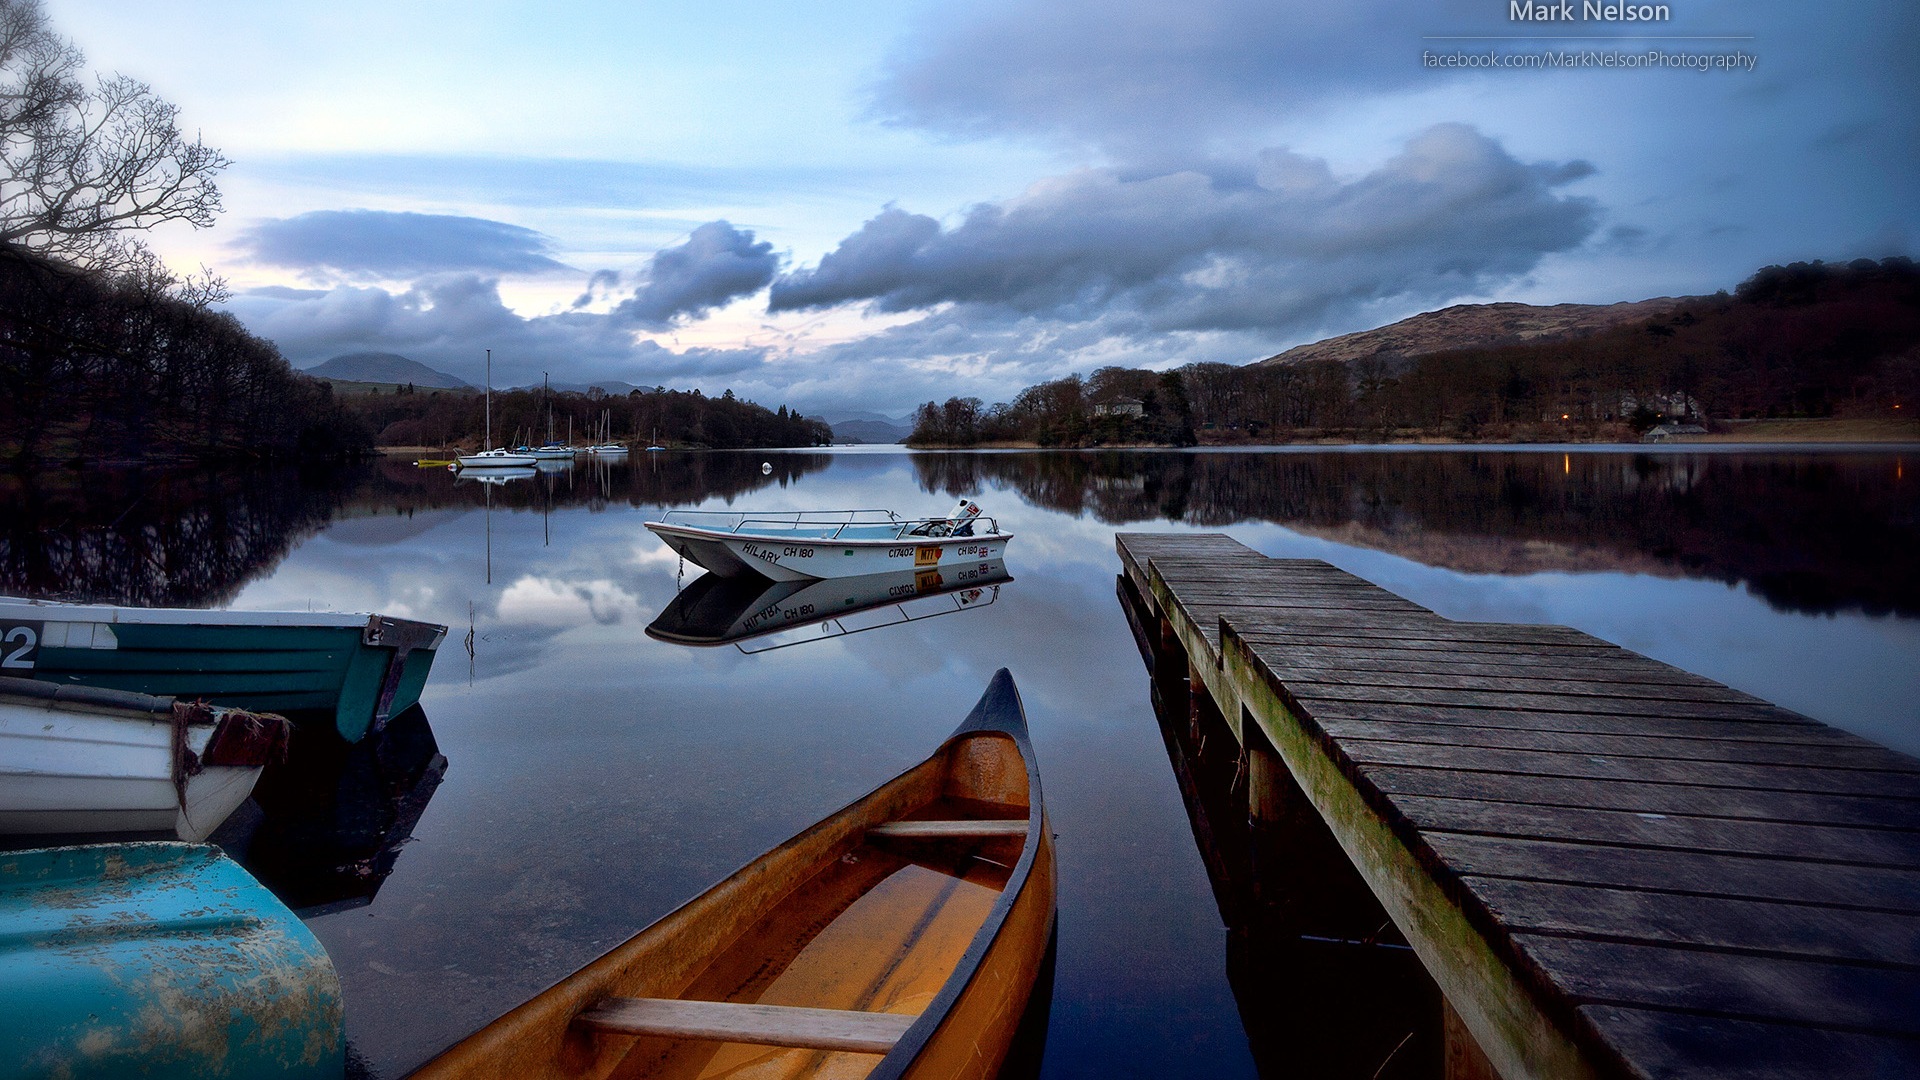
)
(594, 777)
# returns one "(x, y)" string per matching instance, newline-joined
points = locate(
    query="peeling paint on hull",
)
(158, 960)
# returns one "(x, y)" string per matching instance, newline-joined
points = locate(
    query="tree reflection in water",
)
(195, 538)
(1809, 532)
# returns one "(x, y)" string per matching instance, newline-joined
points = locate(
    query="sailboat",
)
(498, 457)
(606, 447)
(550, 450)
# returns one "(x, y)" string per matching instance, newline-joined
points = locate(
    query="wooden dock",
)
(1610, 867)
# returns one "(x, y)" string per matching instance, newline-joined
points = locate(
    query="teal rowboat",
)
(162, 961)
(358, 669)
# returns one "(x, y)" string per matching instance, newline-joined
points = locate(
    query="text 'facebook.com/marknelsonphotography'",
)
(1558, 36)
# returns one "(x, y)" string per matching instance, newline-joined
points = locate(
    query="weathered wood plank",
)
(1790, 731)
(1387, 644)
(1429, 626)
(1736, 876)
(1789, 726)
(1360, 662)
(1734, 985)
(1685, 1046)
(766, 1025)
(1536, 702)
(1652, 770)
(948, 830)
(1759, 805)
(1645, 916)
(1888, 848)
(1665, 747)
(1573, 681)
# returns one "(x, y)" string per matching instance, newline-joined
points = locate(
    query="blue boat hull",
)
(158, 960)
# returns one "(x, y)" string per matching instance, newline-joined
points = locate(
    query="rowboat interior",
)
(828, 956)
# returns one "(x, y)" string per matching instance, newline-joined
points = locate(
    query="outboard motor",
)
(958, 523)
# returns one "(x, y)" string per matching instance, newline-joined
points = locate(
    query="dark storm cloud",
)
(383, 244)
(716, 264)
(1278, 243)
(1141, 72)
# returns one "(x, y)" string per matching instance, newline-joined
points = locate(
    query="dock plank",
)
(1758, 805)
(1863, 888)
(1647, 917)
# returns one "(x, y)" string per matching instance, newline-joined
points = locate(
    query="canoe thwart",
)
(949, 830)
(766, 1025)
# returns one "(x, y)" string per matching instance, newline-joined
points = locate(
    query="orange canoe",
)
(900, 937)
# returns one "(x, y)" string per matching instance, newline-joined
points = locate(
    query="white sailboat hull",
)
(68, 768)
(495, 459)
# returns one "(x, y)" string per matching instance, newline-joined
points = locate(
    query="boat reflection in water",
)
(495, 477)
(717, 610)
(326, 825)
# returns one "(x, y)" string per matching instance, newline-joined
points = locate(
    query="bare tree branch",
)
(82, 169)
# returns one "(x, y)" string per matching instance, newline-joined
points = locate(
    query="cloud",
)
(385, 245)
(1141, 73)
(716, 264)
(1277, 243)
(446, 322)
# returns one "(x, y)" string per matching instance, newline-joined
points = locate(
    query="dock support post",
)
(1464, 1058)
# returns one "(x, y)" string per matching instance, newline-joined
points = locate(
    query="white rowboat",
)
(808, 544)
(81, 759)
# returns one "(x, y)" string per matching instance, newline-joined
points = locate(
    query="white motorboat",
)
(83, 759)
(804, 544)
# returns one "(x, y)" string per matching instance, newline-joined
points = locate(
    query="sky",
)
(860, 206)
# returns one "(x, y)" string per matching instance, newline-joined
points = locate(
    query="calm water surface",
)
(595, 777)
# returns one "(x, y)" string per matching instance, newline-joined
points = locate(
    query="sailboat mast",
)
(489, 443)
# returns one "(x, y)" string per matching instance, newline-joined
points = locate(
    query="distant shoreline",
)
(1807, 432)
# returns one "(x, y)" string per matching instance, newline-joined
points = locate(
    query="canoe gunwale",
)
(999, 712)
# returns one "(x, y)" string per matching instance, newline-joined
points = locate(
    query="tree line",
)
(96, 367)
(1805, 340)
(690, 419)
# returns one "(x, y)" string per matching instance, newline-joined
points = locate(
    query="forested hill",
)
(1473, 326)
(1805, 340)
(454, 419)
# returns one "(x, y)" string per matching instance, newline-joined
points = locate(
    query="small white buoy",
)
(766, 468)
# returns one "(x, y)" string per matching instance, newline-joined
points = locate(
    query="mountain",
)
(845, 416)
(612, 387)
(869, 431)
(381, 367)
(1476, 326)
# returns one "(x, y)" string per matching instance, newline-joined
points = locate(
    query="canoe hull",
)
(693, 954)
(800, 559)
(158, 960)
(358, 670)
